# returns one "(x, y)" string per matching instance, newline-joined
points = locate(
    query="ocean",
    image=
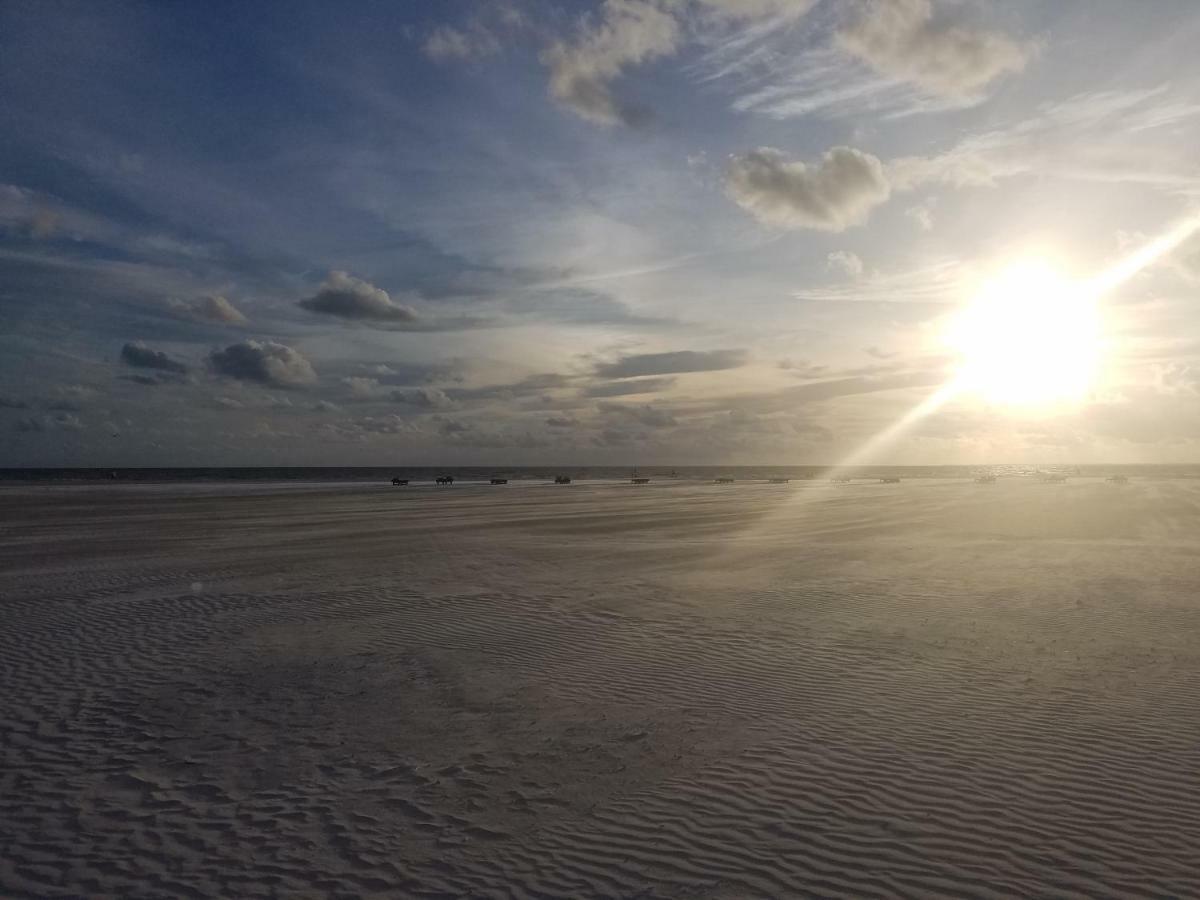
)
(471, 474)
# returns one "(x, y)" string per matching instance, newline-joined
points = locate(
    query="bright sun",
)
(1030, 338)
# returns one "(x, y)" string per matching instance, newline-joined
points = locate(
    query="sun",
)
(1030, 338)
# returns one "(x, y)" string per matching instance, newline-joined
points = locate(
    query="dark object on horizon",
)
(444, 479)
(637, 480)
(399, 481)
(779, 480)
(499, 481)
(1055, 479)
(985, 479)
(841, 480)
(724, 479)
(562, 479)
(1118, 479)
(112, 476)
(891, 479)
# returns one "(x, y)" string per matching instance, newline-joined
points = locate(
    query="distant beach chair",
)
(499, 481)
(889, 480)
(399, 481)
(444, 479)
(562, 479)
(640, 480)
(724, 479)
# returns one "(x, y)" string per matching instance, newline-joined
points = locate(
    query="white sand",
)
(924, 689)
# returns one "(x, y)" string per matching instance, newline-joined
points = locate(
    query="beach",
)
(935, 688)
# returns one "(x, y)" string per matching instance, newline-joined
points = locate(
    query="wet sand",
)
(935, 688)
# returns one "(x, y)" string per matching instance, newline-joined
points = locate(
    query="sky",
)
(632, 231)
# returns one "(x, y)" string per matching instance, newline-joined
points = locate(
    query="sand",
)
(935, 688)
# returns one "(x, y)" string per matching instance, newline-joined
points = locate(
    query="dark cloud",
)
(347, 297)
(561, 422)
(678, 362)
(62, 421)
(265, 362)
(7, 402)
(140, 356)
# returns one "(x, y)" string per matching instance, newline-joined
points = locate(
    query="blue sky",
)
(700, 231)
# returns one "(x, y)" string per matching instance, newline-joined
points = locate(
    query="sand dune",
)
(926, 689)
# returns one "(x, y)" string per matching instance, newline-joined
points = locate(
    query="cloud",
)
(561, 422)
(845, 262)
(624, 388)
(265, 362)
(630, 32)
(38, 424)
(71, 398)
(901, 39)
(426, 398)
(347, 297)
(677, 362)
(650, 416)
(209, 309)
(9, 402)
(758, 9)
(140, 356)
(832, 195)
(446, 44)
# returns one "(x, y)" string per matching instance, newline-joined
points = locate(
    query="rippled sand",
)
(735, 691)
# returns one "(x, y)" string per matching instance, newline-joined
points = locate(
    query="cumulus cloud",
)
(903, 40)
(832, 195)
(845, 262)
(209, 309)
(677, 362)
(347, 297)
(650, 416)
(140, 356)
(265, 362)
(426, 398)
(630, 32)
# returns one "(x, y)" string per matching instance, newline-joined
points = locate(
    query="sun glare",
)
(1031, 338)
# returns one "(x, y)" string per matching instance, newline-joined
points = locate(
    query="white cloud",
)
(922, 215)
(631, 32)
(903, 40)
(845, 262)
(832, 195)
(209, 309)
(446, 44)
